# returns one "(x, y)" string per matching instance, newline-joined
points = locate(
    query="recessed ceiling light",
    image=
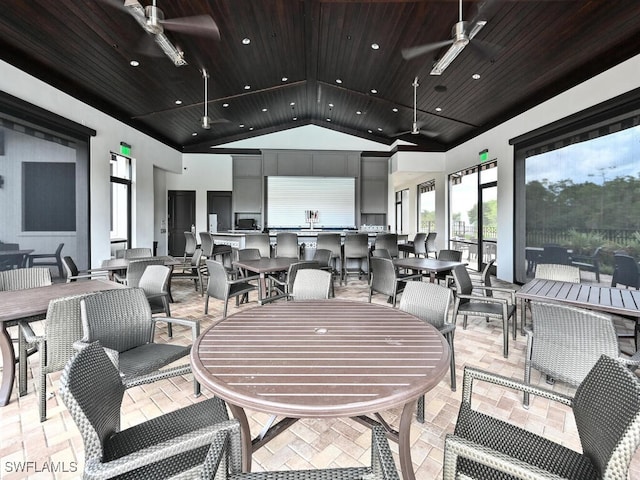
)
(331, 105)
(375, 46)
(134, 63)
(292, 103)
(264, 109)
(241, 125)
(358, 112)
(379, 129)
(476, 76)
(178, 102)
(328, 119)
(250, 128)
(374, 91)
(338, 81)
(284, 79)
(394, 110)
(247, 87)
(194, 134)
(294, 118)
(225, 105)
(370, 131)
(438, 109)
(246, 41)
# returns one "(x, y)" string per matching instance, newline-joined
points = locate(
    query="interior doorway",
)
(182, 214)
(220, 203)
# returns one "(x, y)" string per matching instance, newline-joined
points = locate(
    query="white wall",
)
(110, 132)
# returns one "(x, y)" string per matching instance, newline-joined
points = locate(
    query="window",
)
(120, 200)
(402, 210)
(579, 185)
(427, 206)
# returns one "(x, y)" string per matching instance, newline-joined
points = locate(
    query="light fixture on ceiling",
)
(206, 121)
(151, 20)
(460, 40)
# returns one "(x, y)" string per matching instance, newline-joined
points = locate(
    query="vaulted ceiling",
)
(312, 62)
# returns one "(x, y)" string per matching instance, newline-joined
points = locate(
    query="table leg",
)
(404, 441)
(262, 288)
(432, 276)
(8, 366)
(247, 450)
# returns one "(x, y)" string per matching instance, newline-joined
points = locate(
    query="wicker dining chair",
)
(558, 272)
(430, 303)
(332, 242)
(356, 248)
(155, 283)
(447, 255)
(206, 244)
(23, 278)
(227, 459)
(389, 242)
(162, 447)
(417, 246)
(221, 287)
(386, 279)
(140, 252)
(135, 270)
(324, 257)
(73, 274)
(260, 241)
(63, 327)
(48, 260)
(311, 284)
(469, 303)
(606, 408)
(564, 343)
(284, 283)
(190, 245)
(287, 245)
(191, 271)
(121, 321)
(430, 244)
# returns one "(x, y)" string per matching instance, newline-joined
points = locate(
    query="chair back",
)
(450, 255)
(9, 246)
(23, 278)
(568, 341)
(555, 254)
(330, 241)
(249, 254)
(420, 244)
(260, 241)
(485, 276)
(323, 257)
(91, 388)
(356, 245)
(295, 267)
(381, 253)
(119, 319)
(62, 328)
(558, 272)
(383, 276)
(218, 284)
(427, 301)
(626, 271)
(311, 284)
(70, 268)
(206, 244)
(130, 253)
(155, 282)
(606, 408)
(463, 282)
(389, 242)
(136, 269)
(431, 243)
(287, 245)
(190, 243)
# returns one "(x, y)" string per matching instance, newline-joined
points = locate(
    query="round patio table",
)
(327, 358)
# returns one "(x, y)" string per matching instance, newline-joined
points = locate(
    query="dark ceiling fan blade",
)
(147, 46)
(399, 134)
(485, 10)
(202, 25)
(485, 50)
(413, 52)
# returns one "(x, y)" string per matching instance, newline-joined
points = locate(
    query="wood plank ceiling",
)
(312, 62)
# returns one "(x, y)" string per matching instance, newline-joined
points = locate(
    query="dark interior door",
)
(182, 214)
(220, 203)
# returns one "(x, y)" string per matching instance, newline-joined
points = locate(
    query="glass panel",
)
(427, 211)
(120, 166)
(489, 223)
(119, 211)
(464, 217)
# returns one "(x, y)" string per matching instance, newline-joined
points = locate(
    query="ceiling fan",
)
(415, 127)
(153, 21)
(461, 35)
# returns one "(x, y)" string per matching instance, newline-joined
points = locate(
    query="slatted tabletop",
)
(607, 299)
(328, 358)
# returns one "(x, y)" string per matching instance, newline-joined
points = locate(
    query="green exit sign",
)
(484, 155)
(125, 149)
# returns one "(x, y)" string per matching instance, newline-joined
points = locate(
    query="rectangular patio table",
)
(263, 267)
(429, 265)
(32, 304)
(584, 295)
(321, 359)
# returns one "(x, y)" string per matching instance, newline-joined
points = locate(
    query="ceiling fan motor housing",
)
(155, 16)
(459, 33)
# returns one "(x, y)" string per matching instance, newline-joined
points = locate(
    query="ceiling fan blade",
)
(485, 10)
(399, 134)
(429, 133)
(413, 52)
(485, 50)
(147, 46)
(202, 25)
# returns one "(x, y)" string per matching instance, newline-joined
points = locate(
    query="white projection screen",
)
(333, 197)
